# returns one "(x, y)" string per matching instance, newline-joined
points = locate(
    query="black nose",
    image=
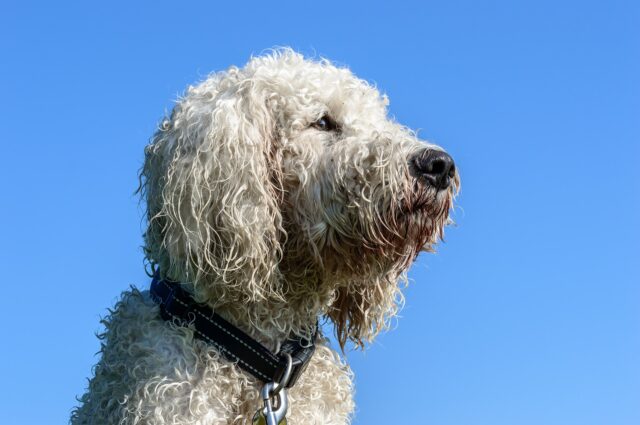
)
(436, 167)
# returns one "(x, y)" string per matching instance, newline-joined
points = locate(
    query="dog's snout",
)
(437, 167)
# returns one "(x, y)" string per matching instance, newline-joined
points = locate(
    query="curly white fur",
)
(273, 222)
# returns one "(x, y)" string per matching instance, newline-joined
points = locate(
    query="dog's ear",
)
(210, 179)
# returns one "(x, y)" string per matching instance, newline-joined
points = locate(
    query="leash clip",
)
(274, 396)
(272, 413)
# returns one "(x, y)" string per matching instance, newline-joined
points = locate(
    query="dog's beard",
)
(365, 304)
(361, 253)
(377, 232)
(407, 225)
(421, 215)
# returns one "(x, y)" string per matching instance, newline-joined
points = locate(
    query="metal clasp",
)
(274, 397)
(274, 414)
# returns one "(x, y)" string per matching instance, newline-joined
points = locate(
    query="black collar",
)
(176, 305)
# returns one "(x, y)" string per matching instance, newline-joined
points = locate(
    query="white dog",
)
(277, 193)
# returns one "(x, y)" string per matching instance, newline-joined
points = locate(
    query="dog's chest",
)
(160, 374)
(322, 395)
(154, 373)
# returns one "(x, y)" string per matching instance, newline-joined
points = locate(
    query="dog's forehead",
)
(305, 83)
(310, 88)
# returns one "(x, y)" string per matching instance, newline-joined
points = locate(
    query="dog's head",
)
(286, 180)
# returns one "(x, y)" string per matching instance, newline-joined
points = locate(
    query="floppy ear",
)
(210, 182)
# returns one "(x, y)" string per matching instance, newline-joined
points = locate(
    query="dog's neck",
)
(271, 322)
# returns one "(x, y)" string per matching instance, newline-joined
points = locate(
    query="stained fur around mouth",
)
(423, 214)
(408, 226)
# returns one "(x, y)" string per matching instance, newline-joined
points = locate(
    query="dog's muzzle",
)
(435, 167)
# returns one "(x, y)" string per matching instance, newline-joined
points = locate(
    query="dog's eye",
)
(326, 123)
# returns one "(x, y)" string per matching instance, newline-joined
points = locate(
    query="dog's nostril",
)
(437, 167)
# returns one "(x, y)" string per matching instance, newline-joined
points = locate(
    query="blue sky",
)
(528, 314)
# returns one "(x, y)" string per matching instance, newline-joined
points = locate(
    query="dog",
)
(276, 194)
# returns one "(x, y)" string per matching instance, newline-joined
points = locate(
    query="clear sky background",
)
(528, 314)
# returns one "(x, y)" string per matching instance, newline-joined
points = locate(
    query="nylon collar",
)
(176, 305)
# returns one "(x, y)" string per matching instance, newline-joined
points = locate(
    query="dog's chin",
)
(419, 220)
(406, 228)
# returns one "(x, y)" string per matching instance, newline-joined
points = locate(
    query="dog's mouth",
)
(423, 199)
(419, 217)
